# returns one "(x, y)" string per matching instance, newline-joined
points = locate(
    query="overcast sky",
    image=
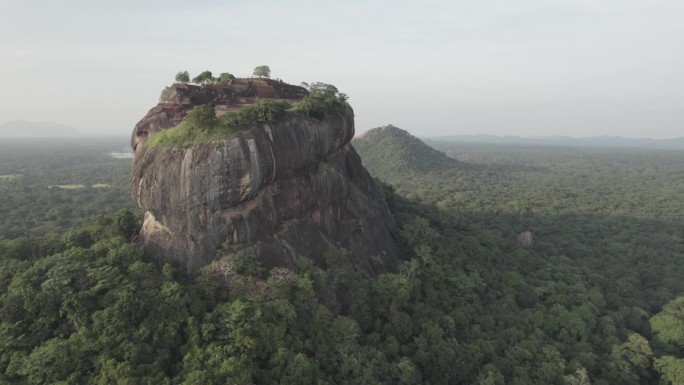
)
(433, 67)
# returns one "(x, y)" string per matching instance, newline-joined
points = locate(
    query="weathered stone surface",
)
(526, 239)
(281, 190)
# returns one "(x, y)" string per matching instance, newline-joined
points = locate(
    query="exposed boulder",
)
(526, 239)
(279, 190)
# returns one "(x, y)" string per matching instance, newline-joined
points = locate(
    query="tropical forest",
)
(518, 265)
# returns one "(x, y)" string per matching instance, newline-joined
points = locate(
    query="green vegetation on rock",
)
(202, 117)
(226, 76)
(185, 134)
(202, 125)
(203, 78)
(322, 98)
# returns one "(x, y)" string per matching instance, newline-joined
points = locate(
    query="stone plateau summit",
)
(278, 190)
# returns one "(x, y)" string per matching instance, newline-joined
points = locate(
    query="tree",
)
(262, 71)
(125, 223)
(671, 369)
(322, 98)
(204, 78)
(322, 90)
(266, 110)
(668, 329)
(202, 117)
(668, 325)
(226, 76)
(633, 358)
(183, 77)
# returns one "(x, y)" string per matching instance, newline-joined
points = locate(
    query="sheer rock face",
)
(281, 190)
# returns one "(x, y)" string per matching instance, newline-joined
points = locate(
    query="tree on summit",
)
(183, 77)
(262, 71)
(203, 78)
(226, 76)
(202, 117)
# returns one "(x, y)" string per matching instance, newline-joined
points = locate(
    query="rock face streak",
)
(280, 190)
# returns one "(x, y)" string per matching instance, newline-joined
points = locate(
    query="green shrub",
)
(205, 77)
(183, 77)
(322, 98)
(262, 71)
(226, 76)
(186, 134)
(202, 117)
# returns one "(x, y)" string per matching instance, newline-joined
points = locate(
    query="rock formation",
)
(279, 190)
(526, 239)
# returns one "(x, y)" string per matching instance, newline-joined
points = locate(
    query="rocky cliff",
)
(277, 191)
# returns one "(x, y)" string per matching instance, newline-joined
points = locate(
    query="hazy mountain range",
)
(596, 141)
(31, 129)
(28, 129)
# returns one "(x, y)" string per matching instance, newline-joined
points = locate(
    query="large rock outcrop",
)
(278, 191)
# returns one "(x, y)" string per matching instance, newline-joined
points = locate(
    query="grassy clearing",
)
(67, 186)
(202, 125)
(185, 134)
(9, 177)
(79, 186)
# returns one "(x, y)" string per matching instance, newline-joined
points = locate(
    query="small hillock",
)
(396, 157)
(397, 151)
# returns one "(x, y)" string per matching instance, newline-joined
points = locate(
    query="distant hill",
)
(27, 129)
(566, 141)
(396, 150)
(406, 162)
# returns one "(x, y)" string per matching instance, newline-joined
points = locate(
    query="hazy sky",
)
(502, 67)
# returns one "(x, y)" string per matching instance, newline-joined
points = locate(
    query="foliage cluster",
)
(322, 98)
(204, 77)
(183, 77)
(226, 76)
(202, 117)
(207, 77)
(262, 71)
